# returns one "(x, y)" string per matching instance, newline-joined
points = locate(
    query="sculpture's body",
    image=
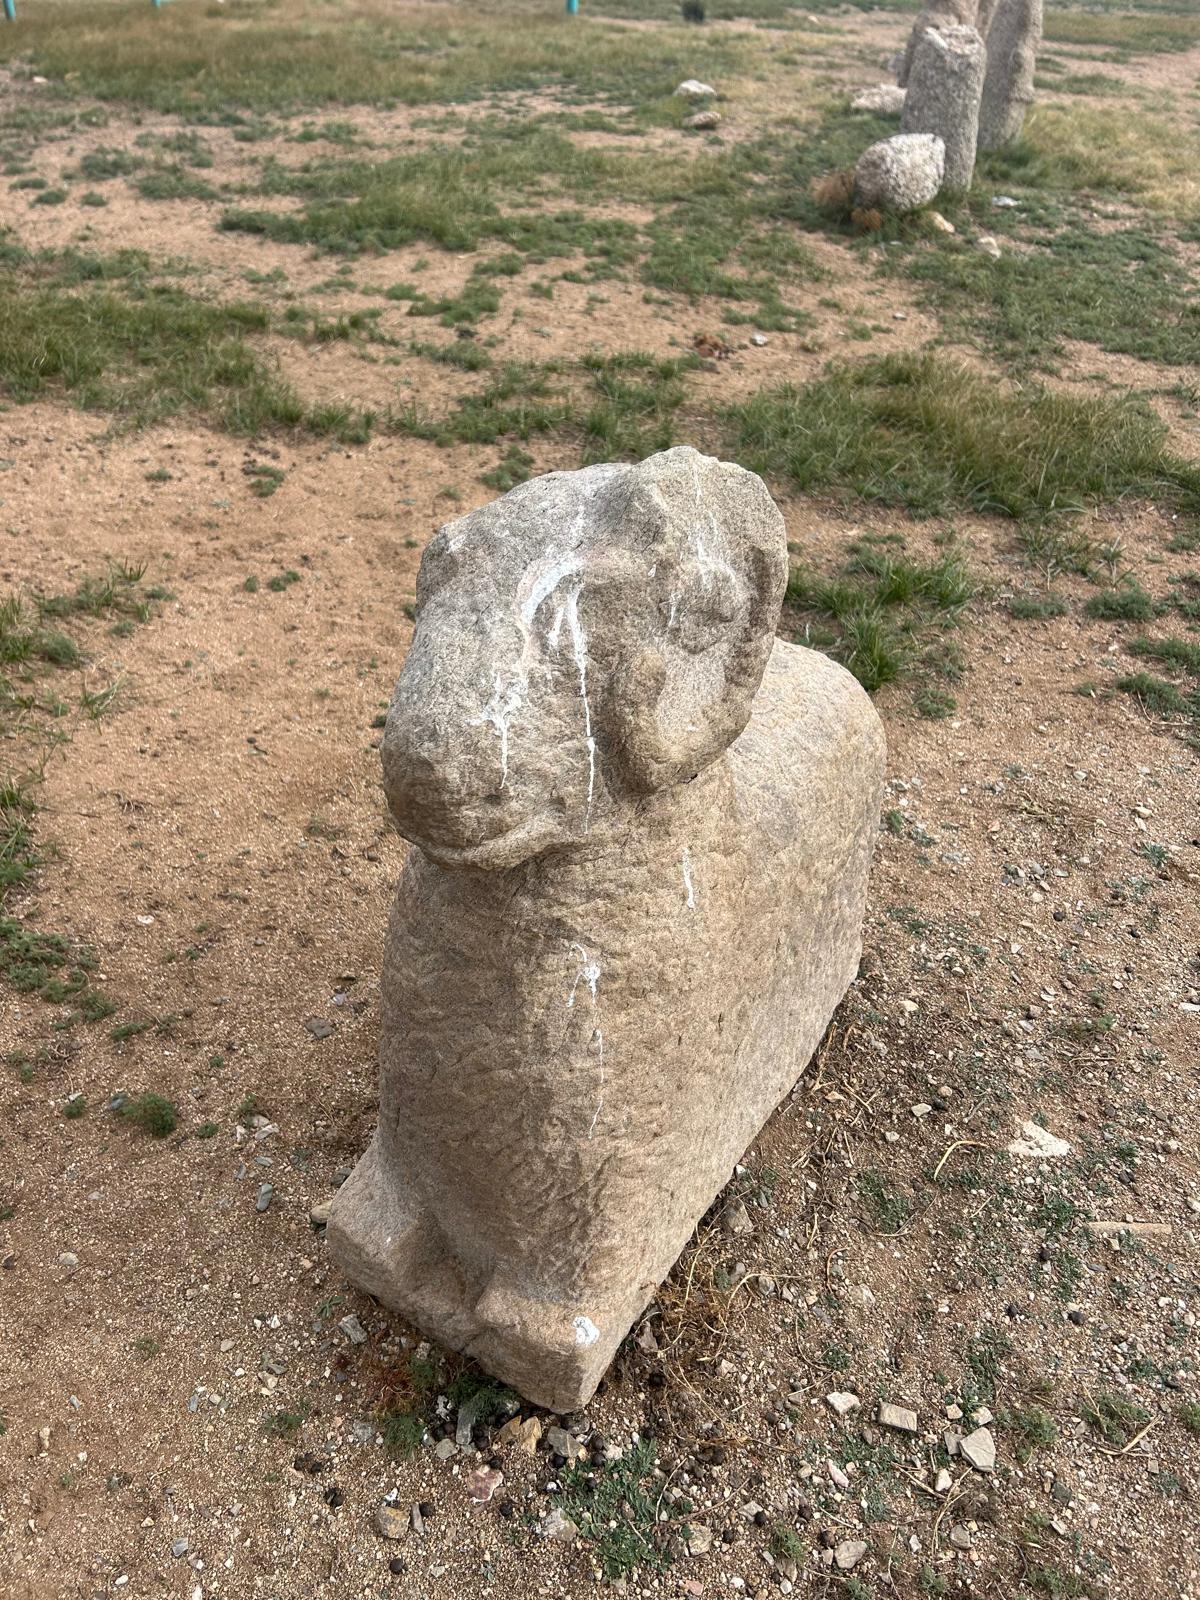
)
(630, 917)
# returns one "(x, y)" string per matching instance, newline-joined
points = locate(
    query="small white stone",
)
(842, 1401)
(693, 89)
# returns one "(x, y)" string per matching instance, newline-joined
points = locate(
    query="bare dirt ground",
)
(183, 1411)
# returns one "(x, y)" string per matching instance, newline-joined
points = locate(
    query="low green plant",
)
(616, 1508)
(888, 1209)
(152, 1113)
(1113, 1417)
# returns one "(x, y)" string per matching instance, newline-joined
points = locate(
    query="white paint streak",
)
(586, 1331)
(686, 864)
(589, 974)
(579, 651)
(506, 701)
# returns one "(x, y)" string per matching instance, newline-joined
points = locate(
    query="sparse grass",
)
(888, 1209)
(1124, 602)
(1137, 34)
(1178, 653)
(152, 1113)
(616, 1507)
(1113, 1417)
(202, 60)
(923, 432)
(872, 616)
(1121, 290)
(402, 1433)
(1037, 607)
(1031, 1429)
(1158, 696)
(284, 1424)
(1189, 1416)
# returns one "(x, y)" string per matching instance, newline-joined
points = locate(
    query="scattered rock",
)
(562, 1443)
(837, 1475)
(979, 1449)
(68, 1263)
(693, 89)
(943, 1480)
(699, 1539)
(353, 1329)
(444, 1449)
(960, 1537)
(179, 1548)
(483, 1483)
(886, 99)
(849, 1553)
(989, 246)
(319, 1027)
(558, 1526)
(1034, 1141)
(842, 1401)
(391, 1522)
(266, 1193)
(1005, 200)
(319, 1214)
(898, 1417)
(735, 1219)
(703, 119)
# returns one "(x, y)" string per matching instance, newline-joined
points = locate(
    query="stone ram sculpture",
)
(641, 833)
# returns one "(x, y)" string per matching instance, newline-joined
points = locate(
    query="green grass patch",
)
(922, 432)
(261, 58)
(1123, 602)
(887, 1208)
(1037, 607)
(152, 1113)
(1122, 291)
(1113, 1417)
(1140, 34)
(1158, 696)
(616, 1509)
(1178, 653)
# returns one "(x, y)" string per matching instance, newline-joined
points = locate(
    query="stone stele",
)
(939, 14)
(944, 90)
(1013, 38)
(641, 834)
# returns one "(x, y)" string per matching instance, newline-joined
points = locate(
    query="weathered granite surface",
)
(900, 174)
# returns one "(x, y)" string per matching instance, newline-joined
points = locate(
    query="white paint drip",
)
(589, 974)
(705, 559)
(586, 1331)
(686, 864)
(579, 651)
(598, 1041)
(506, 701)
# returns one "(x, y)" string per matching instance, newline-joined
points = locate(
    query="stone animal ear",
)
(716, 567)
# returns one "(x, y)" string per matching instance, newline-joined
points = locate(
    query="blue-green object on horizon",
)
(572, 7)
(10, 10)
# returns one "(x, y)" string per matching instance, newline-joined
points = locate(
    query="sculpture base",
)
(546, 1352)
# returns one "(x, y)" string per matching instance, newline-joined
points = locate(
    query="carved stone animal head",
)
(591, 636)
